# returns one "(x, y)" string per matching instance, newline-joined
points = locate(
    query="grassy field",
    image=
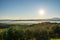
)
(55, 39)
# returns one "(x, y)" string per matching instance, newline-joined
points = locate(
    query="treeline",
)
(27, 34)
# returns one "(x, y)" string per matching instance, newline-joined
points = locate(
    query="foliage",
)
(31, 32)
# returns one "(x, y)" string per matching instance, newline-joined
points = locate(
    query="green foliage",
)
(34, 32)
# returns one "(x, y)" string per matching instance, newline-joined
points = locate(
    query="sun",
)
(41, 12)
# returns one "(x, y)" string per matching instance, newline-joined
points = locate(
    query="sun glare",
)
(41, 12)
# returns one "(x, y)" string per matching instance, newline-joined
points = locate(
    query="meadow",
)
(39, 31)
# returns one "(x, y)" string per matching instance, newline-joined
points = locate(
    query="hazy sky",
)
(28, 9)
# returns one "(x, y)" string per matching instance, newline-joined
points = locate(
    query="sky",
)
(29, 9)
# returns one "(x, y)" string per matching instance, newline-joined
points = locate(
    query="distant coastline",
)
(29, 20)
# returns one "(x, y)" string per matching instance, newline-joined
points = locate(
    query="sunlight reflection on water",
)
(28, 21)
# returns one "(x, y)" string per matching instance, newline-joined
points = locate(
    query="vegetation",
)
(40, 31)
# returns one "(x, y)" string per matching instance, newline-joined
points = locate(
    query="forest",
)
(39, 31)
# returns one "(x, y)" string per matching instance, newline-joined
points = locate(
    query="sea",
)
(28, 21)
